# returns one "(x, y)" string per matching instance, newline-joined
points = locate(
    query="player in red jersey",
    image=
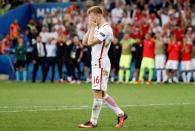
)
(186, 56)
(173, 59)
(148, 58)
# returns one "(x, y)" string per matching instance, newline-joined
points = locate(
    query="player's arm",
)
(92, 40)
(107, 42)
(85, 38)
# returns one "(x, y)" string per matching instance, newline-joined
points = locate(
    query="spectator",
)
(51, 50)
(126, 19)
(20, 60)
(137, 53)
(29, 47)
(34, 34)
(87, 62)
(76, 56)
(61, 56)
(114, 54)
(59, 26)
(44, 34)
(186, 51)
(5, 45)
(47, 21)
(117, 12)
(80, 29)
(14, 32)
(173, 59)
(31, 25)
(39, 58)
(148, 58)
(68, 62)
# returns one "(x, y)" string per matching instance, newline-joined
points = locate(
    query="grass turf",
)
(61, 107)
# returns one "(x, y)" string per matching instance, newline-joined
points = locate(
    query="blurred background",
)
(41, 40)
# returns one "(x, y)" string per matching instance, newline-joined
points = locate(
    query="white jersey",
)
(100, 51)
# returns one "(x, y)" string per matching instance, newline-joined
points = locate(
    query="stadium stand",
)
(58, 23)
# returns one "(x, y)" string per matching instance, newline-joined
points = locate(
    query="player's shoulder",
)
(107, 27)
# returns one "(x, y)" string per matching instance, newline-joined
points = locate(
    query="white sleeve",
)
(102, 34)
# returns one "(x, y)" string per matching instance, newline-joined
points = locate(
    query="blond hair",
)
(96, 10)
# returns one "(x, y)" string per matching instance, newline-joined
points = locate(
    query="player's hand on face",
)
(92, 22)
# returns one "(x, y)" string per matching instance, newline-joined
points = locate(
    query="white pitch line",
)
(61, 108)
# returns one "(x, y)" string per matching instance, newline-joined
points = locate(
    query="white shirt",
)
(100, 51)
(79, 30)
(117, 14)
(127, 20)
(51, 50)
(165, 19)
(59, 26)
(44, 36)
(53, 35)
(40, 49)
(193, 18)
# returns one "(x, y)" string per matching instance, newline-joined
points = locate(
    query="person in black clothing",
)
(60, 57)
(114, 55)
(76, 56)
(63, 57)
(137, 51)
(39, 54)
(29, 47)
(87, 62)
(67, 59)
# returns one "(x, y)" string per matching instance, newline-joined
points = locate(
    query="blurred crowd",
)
(148, 35)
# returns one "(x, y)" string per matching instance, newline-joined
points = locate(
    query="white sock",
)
(184, 77)
(188, 76)
(110, 103)
(164, 76)
(175, 79)
(134, 79)
(97, 105)
(158, 75)
(170, 80)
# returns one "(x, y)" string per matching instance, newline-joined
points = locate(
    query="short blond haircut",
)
(96, 10)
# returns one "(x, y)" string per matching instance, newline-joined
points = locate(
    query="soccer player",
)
(99, 37)
(160, 57)
(186, 55)
(125, 60)
(148, 58)
(173, 59)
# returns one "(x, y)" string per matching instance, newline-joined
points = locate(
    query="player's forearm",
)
(90, 41)
(85, 38)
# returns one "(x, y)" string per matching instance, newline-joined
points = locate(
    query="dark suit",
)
(39, 61)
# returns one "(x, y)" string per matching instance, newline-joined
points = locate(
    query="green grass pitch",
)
(61, 107)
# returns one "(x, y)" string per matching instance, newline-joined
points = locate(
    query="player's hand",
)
(92, 23)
